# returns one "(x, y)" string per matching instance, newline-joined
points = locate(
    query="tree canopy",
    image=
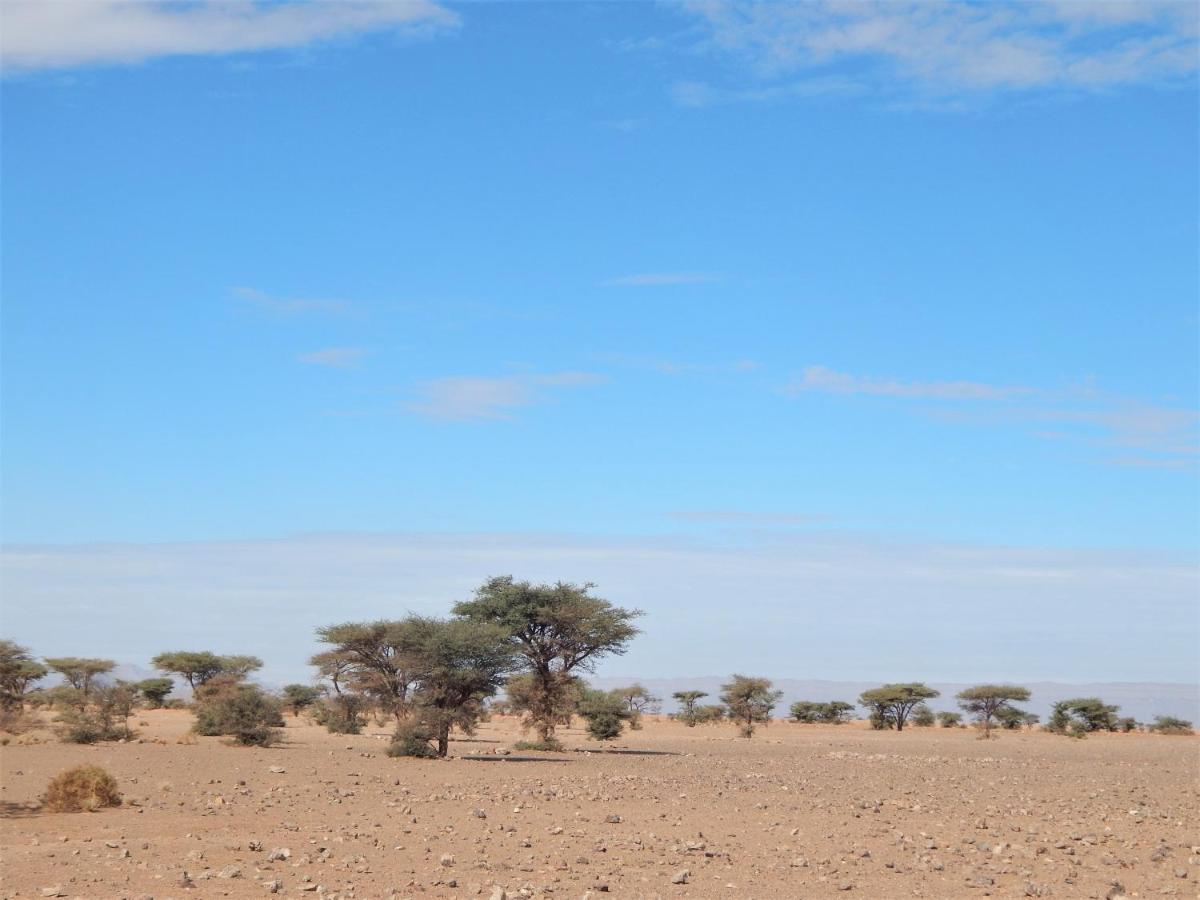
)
(749, 701)
(985, 701)
(891, 704)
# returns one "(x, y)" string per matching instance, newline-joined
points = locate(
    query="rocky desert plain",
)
(797, 811)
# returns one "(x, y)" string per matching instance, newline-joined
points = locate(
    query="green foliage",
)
(18, 670)
(80, 672)
(949, 719)
(1127, 724)
(711, 714)
(687, 707)
(300, 696)
(891, 704)
(1010, 718)
(1081, 716)
(605, 712)
(341, 713)
(556, 628)
(638, 701)
(808, 712)
(198, 667)
(413, 739)
(241, 711)
(155, 690)
(749, 702)
(985, 701)
(923, 716)
(551, 746)
(1171, 725)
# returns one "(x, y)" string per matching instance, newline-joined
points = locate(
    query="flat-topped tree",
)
(638, 701)
(155, 690)
(377, 656)
(891, 704)
(687, 701)
(557, 629)
(198, 667)
(18, 670)
(80, 671)
(749, 701)
(986, 701)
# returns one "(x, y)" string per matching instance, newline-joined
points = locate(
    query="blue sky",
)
(717, 277)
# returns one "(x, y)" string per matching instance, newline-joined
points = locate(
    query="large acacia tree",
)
(198, 667)
(18, 670)
(557, 629)
(749, 701)
(379, 657)
(986, 701)
(80, 672)
(891, 704)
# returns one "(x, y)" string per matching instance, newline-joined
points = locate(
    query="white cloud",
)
(819, 378)
(461, 398)
(49, 34)
(656, 279)
(288, 305)
(334, 357)
(944, 47)
(1158, 436)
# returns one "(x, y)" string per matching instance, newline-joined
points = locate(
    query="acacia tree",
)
(1081, 715)
(378, 656)
(985, 701)
(638, 701)
(749, 701)
(18, 670)
(155, 690)
(458, 664)
(198, 667)
(80, 672)
(687, 702)
(891, 704)
(299, 696)
(557, 629)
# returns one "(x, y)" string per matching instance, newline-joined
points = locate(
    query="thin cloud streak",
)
(288, 306)
(56, 34)
(334, 357)
(820, 378)
(466, 398)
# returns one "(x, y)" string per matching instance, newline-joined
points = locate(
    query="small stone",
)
(498, 893)
(277, 770)
(230, 872)
(681, 877)
(278, 854)
(613, 820)
(55, 891)
(447, 860)
(274, 886)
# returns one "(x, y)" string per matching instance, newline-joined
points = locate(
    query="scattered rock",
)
(683, 876)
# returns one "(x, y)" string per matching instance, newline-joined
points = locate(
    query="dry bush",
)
(82, 788)
(15, 720)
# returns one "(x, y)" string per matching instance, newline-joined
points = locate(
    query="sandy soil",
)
(799, 811)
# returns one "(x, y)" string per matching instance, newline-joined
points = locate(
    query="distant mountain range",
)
(1142, 701)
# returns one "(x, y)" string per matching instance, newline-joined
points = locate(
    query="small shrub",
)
(83, 788)
(550, 746)
(1171, 725)
(241, 711)
(606, 713)
(949, 719)
(340, 714)
(413, 739)
(923, 717)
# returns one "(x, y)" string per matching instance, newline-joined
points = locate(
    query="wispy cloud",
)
(945, 48)
(462, 398)
(711, 605)
(819, 378)
(334, 357)
(656, 279)
(743, 518)
(1147, 434)
(288, 305)
(51, 34)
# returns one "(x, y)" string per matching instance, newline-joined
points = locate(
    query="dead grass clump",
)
(82, 788)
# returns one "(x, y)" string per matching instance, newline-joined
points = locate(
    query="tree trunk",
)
(443, 746)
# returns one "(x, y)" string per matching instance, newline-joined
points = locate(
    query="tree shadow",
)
(20, 810)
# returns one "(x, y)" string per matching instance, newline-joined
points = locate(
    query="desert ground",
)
(798, 811)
